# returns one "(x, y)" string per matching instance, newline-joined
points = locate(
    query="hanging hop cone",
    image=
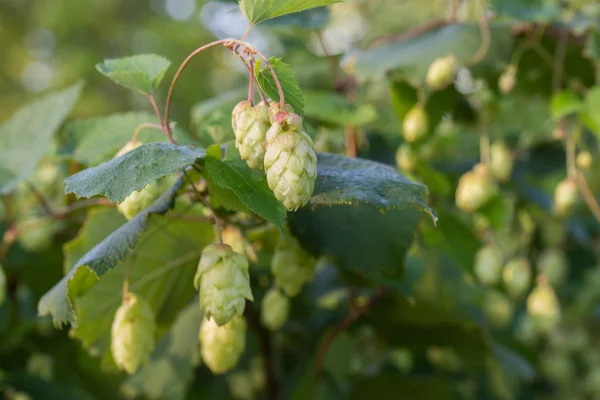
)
(291, 266)
(475, 188)
(132, 339)
(222, 346)
(290, 160)
(441, 72)
(140, 199)
(543, 306)
(224, 283)
(250, 125)
(275, 309)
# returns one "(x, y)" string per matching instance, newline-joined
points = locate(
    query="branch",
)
(41, 198)
(588, 195)
(354, 314)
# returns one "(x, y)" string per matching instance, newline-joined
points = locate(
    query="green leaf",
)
(287, 78)
(411, 58)
(363, 215)
(457, 239)
(119, 177)
(99, 260)
(211, 119)
(26, 137)
(404, 97)
(335, 109)
(592, 45)
(528, 10)
(590, 115)
(564, 103)
(171, 366)
(314, 18)
(249, 185)
(261, 10)
(141, 73)
(94, 140)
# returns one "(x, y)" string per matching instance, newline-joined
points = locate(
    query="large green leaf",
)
(411, 59)
(26, 137)
(94, 140)
(142, 73)
(119, 177)
(162, 268)
(564, 103)
(171, 366)
(363, 215)
(287, 78)
(261, 10)
(249, 185)
(335, 109)
(99, 260)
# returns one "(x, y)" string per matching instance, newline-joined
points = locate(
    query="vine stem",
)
(486, 37)
(141, 127)
(164, 127)
(354, 314)
(40, 197)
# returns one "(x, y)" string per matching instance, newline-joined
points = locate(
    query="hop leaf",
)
(291, 266)
(275, 309)
(290, 160)
(133, 330)
(474, 188)
(222, 346)
(416, 124)
(250, 125)
(224, 283)
(441, 72)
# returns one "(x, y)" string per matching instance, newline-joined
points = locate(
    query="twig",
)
(216, 220)
(354, 314)
(246, 31)
(40, 197)
(165, 128)
(588, 195)
(264, 338)
(249, 64)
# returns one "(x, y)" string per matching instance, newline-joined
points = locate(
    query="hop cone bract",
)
(250, 125)
(224, 283)
(133, 330)
(291, 266)
(222, 346)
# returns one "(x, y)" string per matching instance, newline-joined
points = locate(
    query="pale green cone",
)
(250, 125)
(441, 72)
(275, 309)
(133, 329)
(291, 266)
(290, 162)
(488, 265)
(222, 346)
(543, 306)
(224, 283)
(517, 276)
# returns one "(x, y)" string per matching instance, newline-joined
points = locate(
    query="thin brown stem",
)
(166, 128)
(588, 195)
(455, 9)
(249, 64)
(350, 141)
(251, 90)
(354, 314)
(246, 31)
(40, 197)
(486, 37)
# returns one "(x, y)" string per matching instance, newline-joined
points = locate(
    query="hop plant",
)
(552, 263)
(416, 124)
(224, 283)
(140, 199)
(291, 266)
(501, 162)
(565, 196)
(290, 160)
(474, 188)
(507, 80)
(406, 158)
(584, 160)
(222, 346)
(133, 328)
(488, 265)
(250, 125)
(275, 309)
(543, 306)
(517, 276)
(441, 72)
(498, 308)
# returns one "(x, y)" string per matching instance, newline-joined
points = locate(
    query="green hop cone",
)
(291, 266)
(406, 158)
(584, 160)
(498, 308)
(290, 161)
(415, 125)
(517, 276)
(474, 188)
(222, 346)
(250, 125)
(240, 385)
(133, 329)
(553, 264)
(543, 306)
(224, 283)
(507, 80)
(501, 162)
(565, 196)
(41, 365)
(488, 265)
(441, 72)
(275, 309)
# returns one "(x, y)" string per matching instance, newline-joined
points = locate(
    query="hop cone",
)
(224, 283)
(488, 265)
(441, 72)
(250, 125)
(415, 125)
(222, 346)
(517, 276)
(291, 266)
(275, 309)
(474, 188)
(290, 160)
(543, 306)
(565, 196)
(501, 162)
(132, 334)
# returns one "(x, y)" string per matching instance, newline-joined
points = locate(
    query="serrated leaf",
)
(261, 10)
(26, 137)
(411, 59)
(287, 78)
(142, 73)
(249, 185)
(363, 215)
(170, 368)
(335, 109)
(118, 178)
(564, 103)
(99, 260)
